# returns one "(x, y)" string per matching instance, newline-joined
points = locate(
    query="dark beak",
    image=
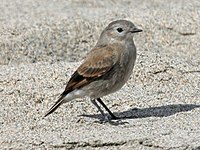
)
(134, 30)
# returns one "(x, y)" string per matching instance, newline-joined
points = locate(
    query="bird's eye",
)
(120, 30)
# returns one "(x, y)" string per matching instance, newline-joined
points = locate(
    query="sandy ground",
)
(42, 43)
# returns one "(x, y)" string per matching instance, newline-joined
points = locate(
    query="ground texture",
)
(43, 42)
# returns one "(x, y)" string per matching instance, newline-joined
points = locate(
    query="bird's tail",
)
(56, 105)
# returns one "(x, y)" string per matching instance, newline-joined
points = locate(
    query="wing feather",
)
(97, 64)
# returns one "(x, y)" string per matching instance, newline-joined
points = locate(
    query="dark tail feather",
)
(56, 105)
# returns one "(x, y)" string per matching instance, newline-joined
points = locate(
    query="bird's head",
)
(117, 31)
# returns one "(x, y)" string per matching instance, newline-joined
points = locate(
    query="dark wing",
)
(99, 62)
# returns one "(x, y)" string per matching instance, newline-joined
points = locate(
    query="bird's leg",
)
(98, 107)
(111, 114)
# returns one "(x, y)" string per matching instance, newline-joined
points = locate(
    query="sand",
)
(43, 42)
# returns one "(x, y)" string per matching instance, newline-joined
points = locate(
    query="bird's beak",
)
(134, 30)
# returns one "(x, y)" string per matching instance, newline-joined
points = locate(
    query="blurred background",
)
(64, 30)
(43, 41)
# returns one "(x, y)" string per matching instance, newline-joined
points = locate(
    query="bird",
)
(106, 68)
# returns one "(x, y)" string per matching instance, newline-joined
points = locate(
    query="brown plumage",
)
(98, 63)
(112, 59)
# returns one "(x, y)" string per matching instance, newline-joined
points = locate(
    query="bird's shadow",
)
(161, 111)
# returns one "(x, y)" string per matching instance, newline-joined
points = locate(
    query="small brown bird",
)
(106, 68)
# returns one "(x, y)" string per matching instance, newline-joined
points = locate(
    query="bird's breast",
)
(123, 70)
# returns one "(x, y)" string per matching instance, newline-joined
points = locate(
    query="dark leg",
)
(111, 114)
(98, 107)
